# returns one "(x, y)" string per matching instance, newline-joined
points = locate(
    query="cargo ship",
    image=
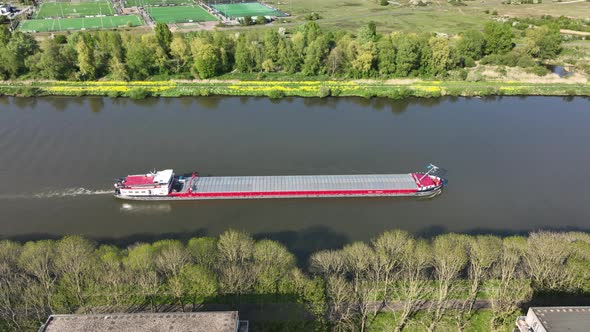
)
(166, 185)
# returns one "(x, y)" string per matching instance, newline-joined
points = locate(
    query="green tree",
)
(386, 56)
(407, 58)
(315, 55)
(288, 59)
(140, 60)
(543, 42)
(50, 62)
(206, 58)
(498, 38)
(367, 33)
(440, 58)
(86, 60)
(181, 53)
(271, 42)
(163, 36)
(472, 44)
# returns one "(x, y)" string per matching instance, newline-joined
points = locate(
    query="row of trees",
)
(429, 284)
(308, 50)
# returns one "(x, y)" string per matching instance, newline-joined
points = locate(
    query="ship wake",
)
(61, 193)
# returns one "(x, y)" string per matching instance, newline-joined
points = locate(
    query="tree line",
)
(425, 284)
(307, 50)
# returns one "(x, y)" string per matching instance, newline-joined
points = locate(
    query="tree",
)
(512, 286)
(194, 284)
(180, 52)
(543, 42)
(206, 58)
(498, 38)
(440, 58)
(472, 44)
(38, 260)
(50, 62)
(236, 271)
(335, 61)
(271, 42)
(367, 33)
(12, 284)
(449, 258)
(244, 57)
(4, 35)
(74, 258)
(274, 262)
(386, 56)
(163, 36)
(170, 257)
(314, 57)
(140, 261)
(118, 69)
(203, 251)
(407, 58)
(483, 255)
(140, 60)
(86, 61)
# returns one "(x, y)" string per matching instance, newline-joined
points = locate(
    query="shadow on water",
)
(307, 241)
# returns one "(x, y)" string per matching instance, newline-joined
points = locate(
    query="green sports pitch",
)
(79, 23)
(74, 9)
(180, 14)
(246, 9)
(147, 3)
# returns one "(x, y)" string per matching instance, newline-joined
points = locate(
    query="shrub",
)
(469, 62)
(383, 2)
(537, 70)
(324, 91)
(276, 94)
(138, 93)
(26, 91)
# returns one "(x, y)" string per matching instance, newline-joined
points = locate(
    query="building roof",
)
(161, 177)
(214, 321)
(571, 319)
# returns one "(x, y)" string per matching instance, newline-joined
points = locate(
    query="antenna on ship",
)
(431, 168)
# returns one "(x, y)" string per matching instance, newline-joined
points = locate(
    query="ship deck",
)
(269, 184)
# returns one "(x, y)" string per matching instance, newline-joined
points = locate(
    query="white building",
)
(554, 319)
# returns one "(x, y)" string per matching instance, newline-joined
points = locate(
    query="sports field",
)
(246, 9)
(79, 23)
(180, 14)
(145, 3)
(74, 9)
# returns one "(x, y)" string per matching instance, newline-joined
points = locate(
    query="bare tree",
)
(74, 260)
(114, 278)
(327, 262)
(237, 272)
(410, 289)
(483, 254)
(37, 260)
(449, 259)
(389, 249)
(360, 261)
(546, 255)
(512, 285)
(140, 261)
(170, 257)
(12, 284)
(274, 262)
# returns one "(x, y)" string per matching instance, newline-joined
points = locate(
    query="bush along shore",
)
(452, 282)
(279, 89)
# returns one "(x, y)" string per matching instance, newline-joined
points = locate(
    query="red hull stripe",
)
(296, 193)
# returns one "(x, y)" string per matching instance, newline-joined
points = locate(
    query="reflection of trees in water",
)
(24, 102)
(96, 104)
(5, 100)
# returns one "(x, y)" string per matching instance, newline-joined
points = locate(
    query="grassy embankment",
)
(276, 89)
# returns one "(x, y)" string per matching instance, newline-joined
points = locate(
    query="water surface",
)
(514, 164)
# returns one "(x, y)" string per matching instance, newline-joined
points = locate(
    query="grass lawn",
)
(70, 9)
(180, 14)
(438, 16)
(144, 3)
(79, 23)
(246, 9)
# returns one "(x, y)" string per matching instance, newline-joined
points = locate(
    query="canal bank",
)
(393, 89)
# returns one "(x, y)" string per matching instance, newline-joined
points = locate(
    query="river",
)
(514, 164)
